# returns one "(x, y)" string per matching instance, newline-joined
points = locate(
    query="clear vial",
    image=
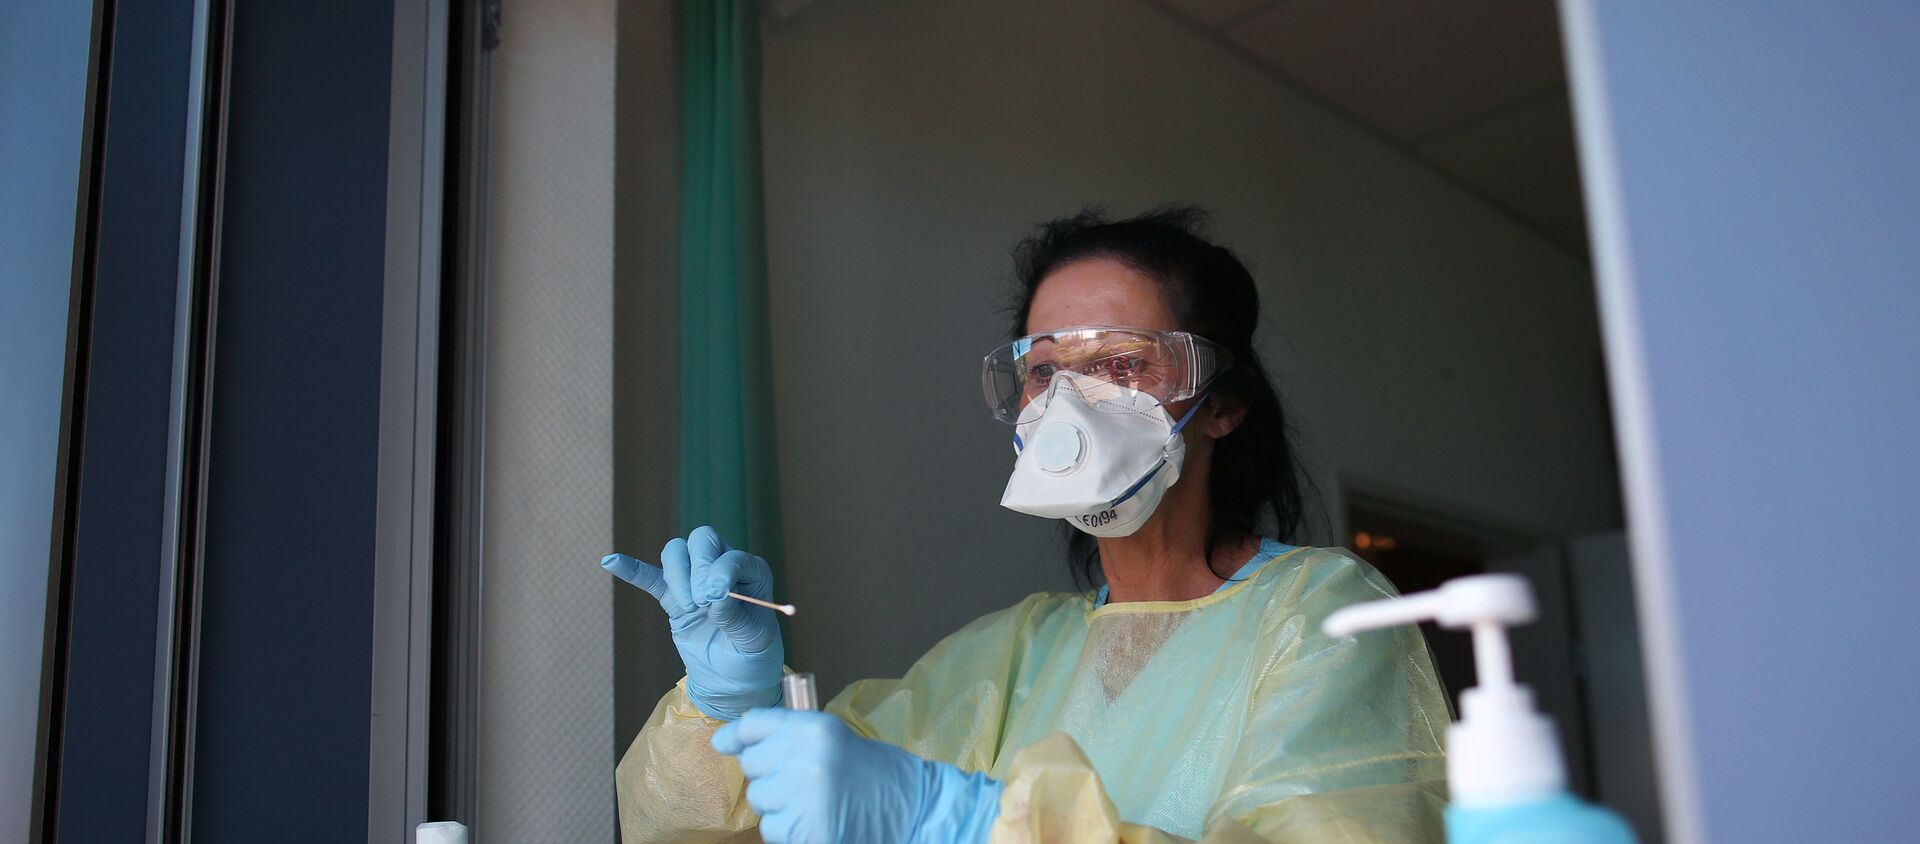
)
(798, 689)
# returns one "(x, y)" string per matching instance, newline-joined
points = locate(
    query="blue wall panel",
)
(43, 104)
(1763, 256)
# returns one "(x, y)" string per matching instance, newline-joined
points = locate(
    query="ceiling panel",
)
(1410, 68)
(1216, 12)
(1523, 159)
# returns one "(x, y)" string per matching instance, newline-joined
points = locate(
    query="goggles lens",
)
(1121, 370)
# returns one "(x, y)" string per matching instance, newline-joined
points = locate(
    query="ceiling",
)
(1474, 88)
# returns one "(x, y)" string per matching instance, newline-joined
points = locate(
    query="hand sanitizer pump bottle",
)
(1506, 781)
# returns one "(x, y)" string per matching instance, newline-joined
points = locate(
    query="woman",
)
(1192, 695)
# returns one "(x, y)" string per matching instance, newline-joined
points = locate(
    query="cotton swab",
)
(780, 608)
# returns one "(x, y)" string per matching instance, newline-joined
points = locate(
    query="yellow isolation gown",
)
(1225, 718)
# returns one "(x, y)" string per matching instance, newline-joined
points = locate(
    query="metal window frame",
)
(42, 802)
(410, 432)
(177, 620)
(409, 372)
(454, 747)
(1677, 768)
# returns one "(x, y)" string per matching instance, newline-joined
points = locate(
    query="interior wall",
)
(646, 346)
(1624, 776)
(547, 620)
(1428, 345)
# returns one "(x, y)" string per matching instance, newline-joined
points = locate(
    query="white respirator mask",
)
(1103, 470)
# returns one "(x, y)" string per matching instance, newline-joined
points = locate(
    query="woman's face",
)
(1101, 291)
(1098, 291)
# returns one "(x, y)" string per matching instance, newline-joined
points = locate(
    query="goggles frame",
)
(1193, 364)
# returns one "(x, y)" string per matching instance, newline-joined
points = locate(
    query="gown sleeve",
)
(1343, 741)
(674, 789)
(951, 705)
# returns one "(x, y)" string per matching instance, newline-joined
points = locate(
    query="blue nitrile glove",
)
(731, 648)
(814, 781)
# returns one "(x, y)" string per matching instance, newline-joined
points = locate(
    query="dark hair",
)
(1256, 480)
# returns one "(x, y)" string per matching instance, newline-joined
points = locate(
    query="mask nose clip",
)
(1059, 448)
(1075, 383)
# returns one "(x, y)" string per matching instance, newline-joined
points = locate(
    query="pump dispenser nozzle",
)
(1501, 751)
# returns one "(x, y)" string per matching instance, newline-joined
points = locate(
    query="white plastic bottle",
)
(1506, 781)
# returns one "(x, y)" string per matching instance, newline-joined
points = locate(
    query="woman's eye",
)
(1124, 366)
(1042, 372)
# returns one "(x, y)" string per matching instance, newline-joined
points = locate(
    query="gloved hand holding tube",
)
(732, 649)
(815, 781)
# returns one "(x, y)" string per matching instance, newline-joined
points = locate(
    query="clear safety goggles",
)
(1125, 369)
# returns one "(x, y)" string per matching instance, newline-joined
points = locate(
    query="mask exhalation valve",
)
(1059, 448)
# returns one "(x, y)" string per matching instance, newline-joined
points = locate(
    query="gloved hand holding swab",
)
(732, 649)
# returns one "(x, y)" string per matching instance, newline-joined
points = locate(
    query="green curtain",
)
(728, 476)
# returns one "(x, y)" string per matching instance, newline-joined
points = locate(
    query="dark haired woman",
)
(1192, 695)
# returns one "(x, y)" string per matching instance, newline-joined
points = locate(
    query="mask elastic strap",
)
(1163, 463)
(1190, 412)
(1138, 484)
